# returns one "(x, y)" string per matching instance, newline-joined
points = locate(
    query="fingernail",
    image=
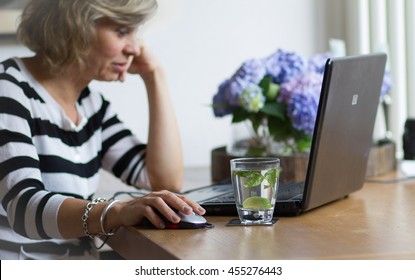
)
(162, 226)
(175, 218)
(201, 210)
(187, 209)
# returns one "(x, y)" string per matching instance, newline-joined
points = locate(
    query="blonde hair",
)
(62, 31)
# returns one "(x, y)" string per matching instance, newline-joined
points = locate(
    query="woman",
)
(56, 132)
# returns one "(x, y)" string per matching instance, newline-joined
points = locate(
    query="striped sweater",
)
(46, 158)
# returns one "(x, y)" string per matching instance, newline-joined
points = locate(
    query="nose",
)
(132, 46)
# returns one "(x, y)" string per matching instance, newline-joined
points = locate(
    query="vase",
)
(293, 168)
(246, 141)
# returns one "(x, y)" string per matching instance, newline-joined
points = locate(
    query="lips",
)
(119, 67)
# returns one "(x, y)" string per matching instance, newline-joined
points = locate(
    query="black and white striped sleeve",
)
(30, 209)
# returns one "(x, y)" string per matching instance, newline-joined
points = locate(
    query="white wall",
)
(202, 42)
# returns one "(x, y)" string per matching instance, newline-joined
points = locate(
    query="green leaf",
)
(256, 151)
(270, 89)
(304, 144)
(279, 128)
(243, 173)
(272, 176)
(219, 106)
(256, 121)
(264, 83)
(254, 177)
(254, 180)
(274, 109)
(240, 115)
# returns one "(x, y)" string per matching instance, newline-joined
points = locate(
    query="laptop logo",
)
(354, 99)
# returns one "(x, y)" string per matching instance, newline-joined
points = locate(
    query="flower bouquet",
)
(278, 96)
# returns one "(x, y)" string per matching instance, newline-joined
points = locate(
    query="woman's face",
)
(112, 53)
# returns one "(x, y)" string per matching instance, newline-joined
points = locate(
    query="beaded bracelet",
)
(86, 216)
(102, 219)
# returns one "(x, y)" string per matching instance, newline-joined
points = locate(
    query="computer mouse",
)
(189, 221)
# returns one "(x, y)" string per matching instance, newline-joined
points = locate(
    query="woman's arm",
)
(127, 213)
(164, 151)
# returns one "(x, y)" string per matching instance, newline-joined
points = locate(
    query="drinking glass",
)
(255, 183)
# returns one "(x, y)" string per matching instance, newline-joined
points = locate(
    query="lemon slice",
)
(256, 202)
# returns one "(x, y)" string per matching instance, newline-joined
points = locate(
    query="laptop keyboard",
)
(287, 191)
(226, 198)
(290, 191)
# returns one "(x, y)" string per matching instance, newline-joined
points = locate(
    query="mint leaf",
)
(254, 179)
(244, 173)
(271, 176)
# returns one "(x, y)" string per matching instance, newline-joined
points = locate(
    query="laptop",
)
(341, 144)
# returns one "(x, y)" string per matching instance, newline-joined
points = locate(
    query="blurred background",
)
(201, 43)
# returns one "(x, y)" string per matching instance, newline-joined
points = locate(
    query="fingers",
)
(122, 76)
(162, 209)
(144, 61)
(156, 218)
(182, 203)
(193, 205)
(160, 206)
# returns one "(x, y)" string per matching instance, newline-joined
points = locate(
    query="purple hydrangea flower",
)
(302, 94)
(308, 83)
(317, 62)
(386, 84)
(282, 66)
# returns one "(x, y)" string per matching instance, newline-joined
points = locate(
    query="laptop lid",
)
(342, 138)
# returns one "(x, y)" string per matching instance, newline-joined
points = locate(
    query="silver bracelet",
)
(102, 219)
(86, 216)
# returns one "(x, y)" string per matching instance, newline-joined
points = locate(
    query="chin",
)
(109, 78)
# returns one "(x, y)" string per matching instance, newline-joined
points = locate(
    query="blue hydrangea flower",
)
(251, 71)
(302, 110)
(236, 86)
(252, 99)
(220, 104)
(227, 97)
(282, 66)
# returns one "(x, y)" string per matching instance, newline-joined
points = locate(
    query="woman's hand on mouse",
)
(150, 206)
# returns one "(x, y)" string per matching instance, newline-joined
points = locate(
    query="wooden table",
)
(377, 222)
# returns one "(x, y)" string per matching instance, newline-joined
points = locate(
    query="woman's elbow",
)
(173, 183)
